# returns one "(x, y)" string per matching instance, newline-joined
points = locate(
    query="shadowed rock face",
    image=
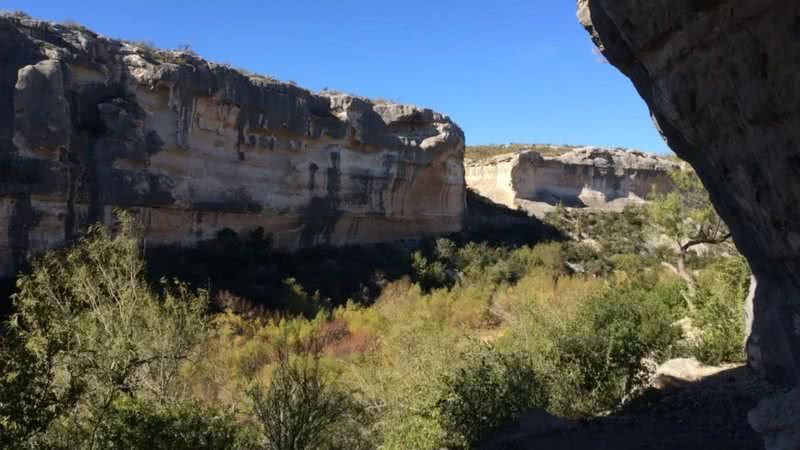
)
(89, 124)
(722, 80)
(590, 177)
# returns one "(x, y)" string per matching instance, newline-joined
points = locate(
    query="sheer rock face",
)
(89, 124)
(589, 177)
(722, 80)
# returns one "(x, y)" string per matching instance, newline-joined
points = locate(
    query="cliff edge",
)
(589, 177)
(89, 124)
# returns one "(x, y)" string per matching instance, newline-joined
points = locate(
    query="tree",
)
(29, 399)
(304, 408)
(142, 424)
(492, 388)
(88, 329)
(687, 217)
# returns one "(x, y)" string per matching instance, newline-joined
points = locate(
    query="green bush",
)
(482, 263)
(599, 360)
(587, 257)
(614, 232)
(303, 409)
(492, 388)
(87, 330)
(138, 424)
(719, 312)
(549, 256)
(430, 274)
(30, 395)
(404, 381)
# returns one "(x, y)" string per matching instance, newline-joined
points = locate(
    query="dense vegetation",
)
(450, 338)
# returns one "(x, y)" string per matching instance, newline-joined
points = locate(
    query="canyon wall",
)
(90, 124)
(590, 177)
(722, 81)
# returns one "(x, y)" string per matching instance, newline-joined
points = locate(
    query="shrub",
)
(404, 382)
(599, 360)
(549, 256)
(137, 424)
(447, 250)
(88, 324)
(719, 314)
(586, 258)
(491, 389)
(430, 274)
(29, 400)
(614, 232)
(303, 409)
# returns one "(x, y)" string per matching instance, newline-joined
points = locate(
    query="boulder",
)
(686, 370)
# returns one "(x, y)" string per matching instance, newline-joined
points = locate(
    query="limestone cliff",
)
(89, 124)
(589, 177)
(722, 80)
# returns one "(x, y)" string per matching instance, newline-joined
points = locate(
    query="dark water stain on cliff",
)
(18, 51)
(237, 201)
(83, 159)
(368, 186)
(24, 218)
(106, 126)
(319, 217)
(389, 162)
(362, 188)
(312, 176)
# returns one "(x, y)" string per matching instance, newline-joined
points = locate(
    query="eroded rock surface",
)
(89, 124)
(588, 177)
(722, 80)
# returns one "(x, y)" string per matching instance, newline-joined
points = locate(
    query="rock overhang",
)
(89, 124)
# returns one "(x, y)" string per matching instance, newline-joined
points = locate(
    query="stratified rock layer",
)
(89, 124)
(589, 177)
(722, 80)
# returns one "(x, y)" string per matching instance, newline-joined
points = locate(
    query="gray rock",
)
(89, 124)
(776, 419)
(685, 370)
(722, 83)
(590, 177)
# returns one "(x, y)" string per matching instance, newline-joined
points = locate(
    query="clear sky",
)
(505, 70)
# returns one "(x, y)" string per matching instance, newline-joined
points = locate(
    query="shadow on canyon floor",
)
(248, 268)
(6, 289)
(708, 414)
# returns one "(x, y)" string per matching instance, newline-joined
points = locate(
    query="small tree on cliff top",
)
(687, 217)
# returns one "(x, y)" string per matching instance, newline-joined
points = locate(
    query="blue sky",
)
(505, 70)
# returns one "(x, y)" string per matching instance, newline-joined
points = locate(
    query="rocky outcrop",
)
(588, 177)
(722, 83)
(776, 419)
(681, 371)
(90, 124)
